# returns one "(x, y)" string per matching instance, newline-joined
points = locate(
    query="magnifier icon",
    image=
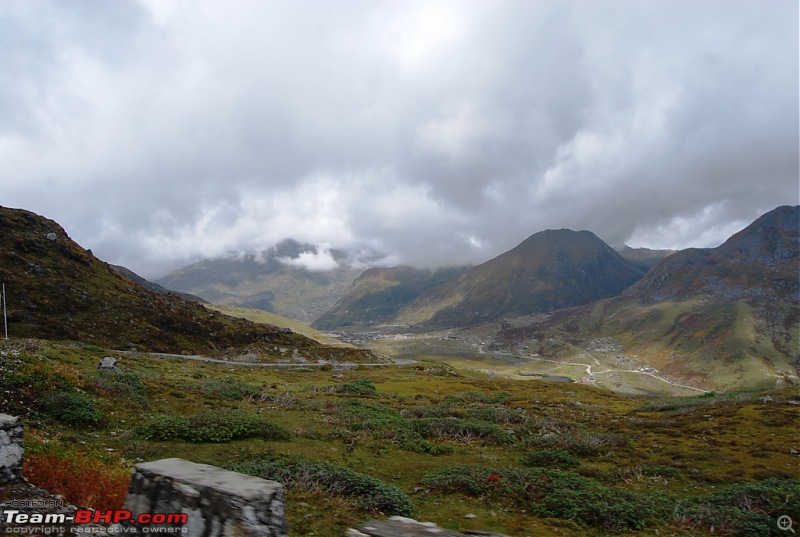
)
(785, 523)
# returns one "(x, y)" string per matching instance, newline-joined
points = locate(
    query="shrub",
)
(229, 388)
(357, 387)
(653, 474)
(684, 405)
(31, 383)
(461, 430)
(70, 407)
(552, 458)
(400, 432)
(664, 471)
(356, 411)
(612, 508)
(123, 386)
(748, 509)
(435, 411)
(79, 479)
(554, 493)
(410, 440)
(578, 442)
(470, 480)
(388, 424)
(211, 426)
(370, 493)
(499, 415)
(27, 379)
(513, 483)
(478, 397)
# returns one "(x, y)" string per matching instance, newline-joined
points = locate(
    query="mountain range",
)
(725, 316)
(731, 312)
(274, 280)
(550, 270)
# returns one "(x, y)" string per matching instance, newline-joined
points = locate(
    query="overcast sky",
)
(160, 132)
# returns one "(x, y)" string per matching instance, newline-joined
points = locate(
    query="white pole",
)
(5, 318)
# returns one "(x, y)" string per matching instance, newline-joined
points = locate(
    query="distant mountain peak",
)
(771, 238)
(551, 269)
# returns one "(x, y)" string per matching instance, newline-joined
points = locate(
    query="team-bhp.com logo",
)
(120, 520)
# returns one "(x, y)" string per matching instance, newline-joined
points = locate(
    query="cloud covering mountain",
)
(162, 132)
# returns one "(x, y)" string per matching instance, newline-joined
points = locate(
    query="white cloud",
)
(437, 132)
(313, 261)
(678, 231)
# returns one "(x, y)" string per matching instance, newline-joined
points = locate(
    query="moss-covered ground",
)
(524, 457)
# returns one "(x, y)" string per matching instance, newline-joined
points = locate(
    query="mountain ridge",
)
(55, 289)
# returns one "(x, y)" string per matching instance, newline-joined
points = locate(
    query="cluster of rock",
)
(10, 448)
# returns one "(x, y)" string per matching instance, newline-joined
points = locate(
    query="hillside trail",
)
(335, 365)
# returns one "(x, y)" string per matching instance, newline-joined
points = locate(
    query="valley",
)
(601, 363)
(499, 403)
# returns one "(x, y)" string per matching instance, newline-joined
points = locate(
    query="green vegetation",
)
(265, 317)
(370, 493)
(522, 456)
(70, 407)
(211, 426)
(554, 493)
(747, 509)
(122, 386)
(46, 390)
(230, 388)
(357, 387)
(551, 458)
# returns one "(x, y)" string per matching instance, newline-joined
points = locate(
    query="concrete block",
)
(218, 503)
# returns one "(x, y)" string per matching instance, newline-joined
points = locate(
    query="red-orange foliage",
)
(80, 480)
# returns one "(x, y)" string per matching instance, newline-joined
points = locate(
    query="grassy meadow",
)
(525, 457)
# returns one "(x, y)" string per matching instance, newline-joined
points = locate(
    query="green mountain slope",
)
(261, 316)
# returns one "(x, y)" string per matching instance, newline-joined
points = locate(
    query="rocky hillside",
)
(724, 317)
(273, 281)
(56, 289)
(550, 270)
(761, 261)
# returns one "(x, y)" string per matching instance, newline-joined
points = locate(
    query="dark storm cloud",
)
(160, 132)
